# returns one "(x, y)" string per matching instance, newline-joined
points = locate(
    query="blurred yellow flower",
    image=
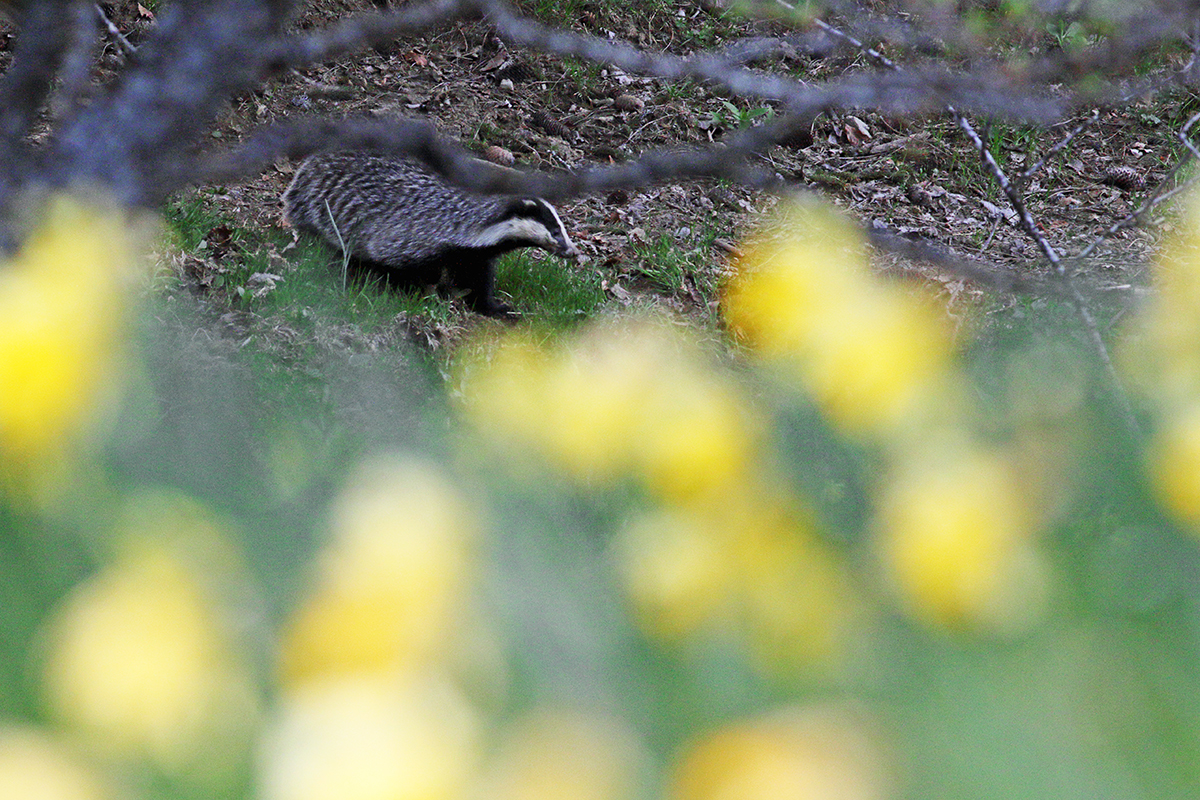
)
(809, 261)
(1174, 465)
(797, 753)
(401, 737)
(1160, 356)
(1161, 350)
(565, 755)
(874, 355)
(392, 581)
(1177, 270)
(501, 383)
(592, 404)
(881, 364)
(801, 607)
(34, 767)
(797, 604)
(635, 398)
(676, 573)
(699, 434)
(63, 301)
(956, 541)
(139, 664)
(746, 564)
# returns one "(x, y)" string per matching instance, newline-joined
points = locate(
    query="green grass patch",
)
(318, 279)
(670, 269)
(551, 290)
(189, 220)
(297, 281)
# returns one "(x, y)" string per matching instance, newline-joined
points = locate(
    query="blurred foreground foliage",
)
(841, 554)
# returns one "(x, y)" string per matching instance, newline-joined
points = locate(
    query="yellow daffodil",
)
(396, 737)
(1174, 462)
(140, 665)
(748, 565)
(800, 607)
(592, 404)
(880, 364)
(502, 384)
(1177, 270)
(63, 302)
(957, 542)
(792, 274)
(636, 399)
(873, 355)
(699, 434)
(806, 753)
(677, 574)
(1161, 350)
(32, 765)
(392, 580)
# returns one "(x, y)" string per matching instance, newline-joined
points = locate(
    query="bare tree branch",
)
(134, 138)
(79, 56)
(1061, 269)
(369, 30)
(23, 90)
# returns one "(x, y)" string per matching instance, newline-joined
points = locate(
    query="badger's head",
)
(527, 222)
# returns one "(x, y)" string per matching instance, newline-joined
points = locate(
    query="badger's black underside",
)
(466, 272)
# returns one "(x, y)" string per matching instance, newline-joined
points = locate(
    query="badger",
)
(396, 217)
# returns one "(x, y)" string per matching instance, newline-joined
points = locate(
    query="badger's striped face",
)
(529, 222)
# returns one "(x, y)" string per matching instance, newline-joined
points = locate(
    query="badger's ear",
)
(521, 207)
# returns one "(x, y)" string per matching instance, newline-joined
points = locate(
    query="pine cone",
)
(550, 125)
(1126, 178)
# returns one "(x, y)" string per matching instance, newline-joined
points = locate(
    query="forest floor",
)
(669, 246)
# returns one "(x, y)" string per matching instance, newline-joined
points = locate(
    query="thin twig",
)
(1059, 146)
(1013, 193)
(127, 48)
(1061, 270)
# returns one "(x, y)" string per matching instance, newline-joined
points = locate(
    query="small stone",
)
(507, 85)
(919, 196)
(628, 102)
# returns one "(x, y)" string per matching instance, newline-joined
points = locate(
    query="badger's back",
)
(388, 210)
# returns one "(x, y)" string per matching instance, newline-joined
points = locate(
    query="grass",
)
(541, 288)
(702, 31)
(189, 220)
(667, 268)
(317, 281)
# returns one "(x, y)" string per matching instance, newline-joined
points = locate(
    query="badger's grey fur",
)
(396, 216)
